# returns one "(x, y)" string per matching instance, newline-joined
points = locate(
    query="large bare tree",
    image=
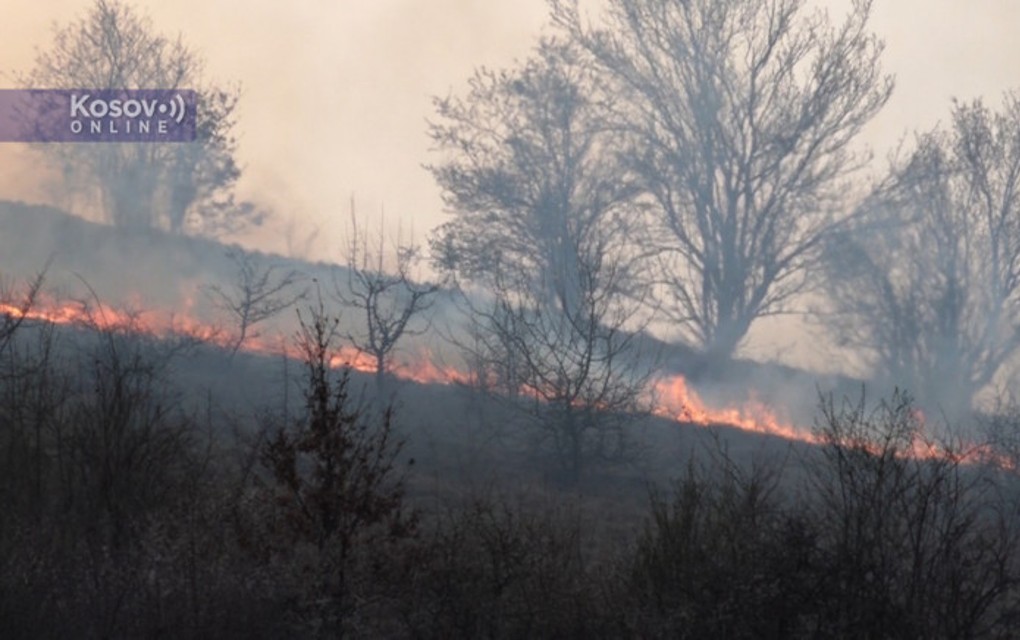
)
(929, 283)
(541, 237)
(529, 173)
(174, 186)
(742, 115)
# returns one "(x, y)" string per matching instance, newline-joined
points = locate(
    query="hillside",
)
(166, 274)
(154, 480)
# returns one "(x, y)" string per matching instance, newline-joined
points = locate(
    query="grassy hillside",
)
(157, 484)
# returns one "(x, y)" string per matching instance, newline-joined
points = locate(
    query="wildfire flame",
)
(422, 367)
(677, 401)
(671, 396)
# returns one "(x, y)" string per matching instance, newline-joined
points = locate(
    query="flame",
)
(671, 396)
(925, 447)
(104, 317)
(353, 358)
(675, 400)
(425, 369)
(422, 367)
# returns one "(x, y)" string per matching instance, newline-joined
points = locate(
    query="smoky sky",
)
(336, 92)
(335, 95)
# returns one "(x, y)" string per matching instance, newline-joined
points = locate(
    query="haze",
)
(336, 94)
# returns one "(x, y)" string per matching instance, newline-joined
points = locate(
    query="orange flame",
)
(675, 400)
(924, 447)
(104, 317)
(425, 369)
(421, 368)
(671, 396)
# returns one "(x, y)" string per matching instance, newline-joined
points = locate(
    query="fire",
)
(924, 447)
(353, 358)
(67, 313)
(422, 367)
(104, 317)
(675, 400)
(671, 396)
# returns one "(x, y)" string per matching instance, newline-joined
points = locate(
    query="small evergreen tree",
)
(336, 486)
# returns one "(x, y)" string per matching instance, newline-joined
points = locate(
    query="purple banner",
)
(97, 115)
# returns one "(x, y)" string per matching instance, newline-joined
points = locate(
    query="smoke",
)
(334, 101)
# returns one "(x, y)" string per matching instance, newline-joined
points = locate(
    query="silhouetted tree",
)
(123, 436)
(928, 284)
(384, 292)
(162, 185)
(492, 568)
(541, 236)
(920, 540)
(893, 534)
(530, 175)
(335, 483)
(15, 304)
(258, 292)
(740, 115)
(723, 557)
(574, 375)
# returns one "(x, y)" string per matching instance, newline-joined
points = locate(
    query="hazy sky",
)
(336, 92)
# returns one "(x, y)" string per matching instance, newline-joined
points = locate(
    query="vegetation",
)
(927, 281)
(130, 512)
(259, 290)
(176, 187)
(740, 117)
(680, 160)
(388, 297)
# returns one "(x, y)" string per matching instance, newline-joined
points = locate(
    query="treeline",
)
(130, 510)
(697, 166)
(690, 166)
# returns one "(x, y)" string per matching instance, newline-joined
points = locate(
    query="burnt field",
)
(158, 481)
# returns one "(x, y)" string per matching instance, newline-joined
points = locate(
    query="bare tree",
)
(542, 239)
(573, 376)
(386, 295)
(920, 544)
(892, 534)
(15, 306)
(162, 185)
(928, 284)
(529, 174)
(258, 292)
(741, 114)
